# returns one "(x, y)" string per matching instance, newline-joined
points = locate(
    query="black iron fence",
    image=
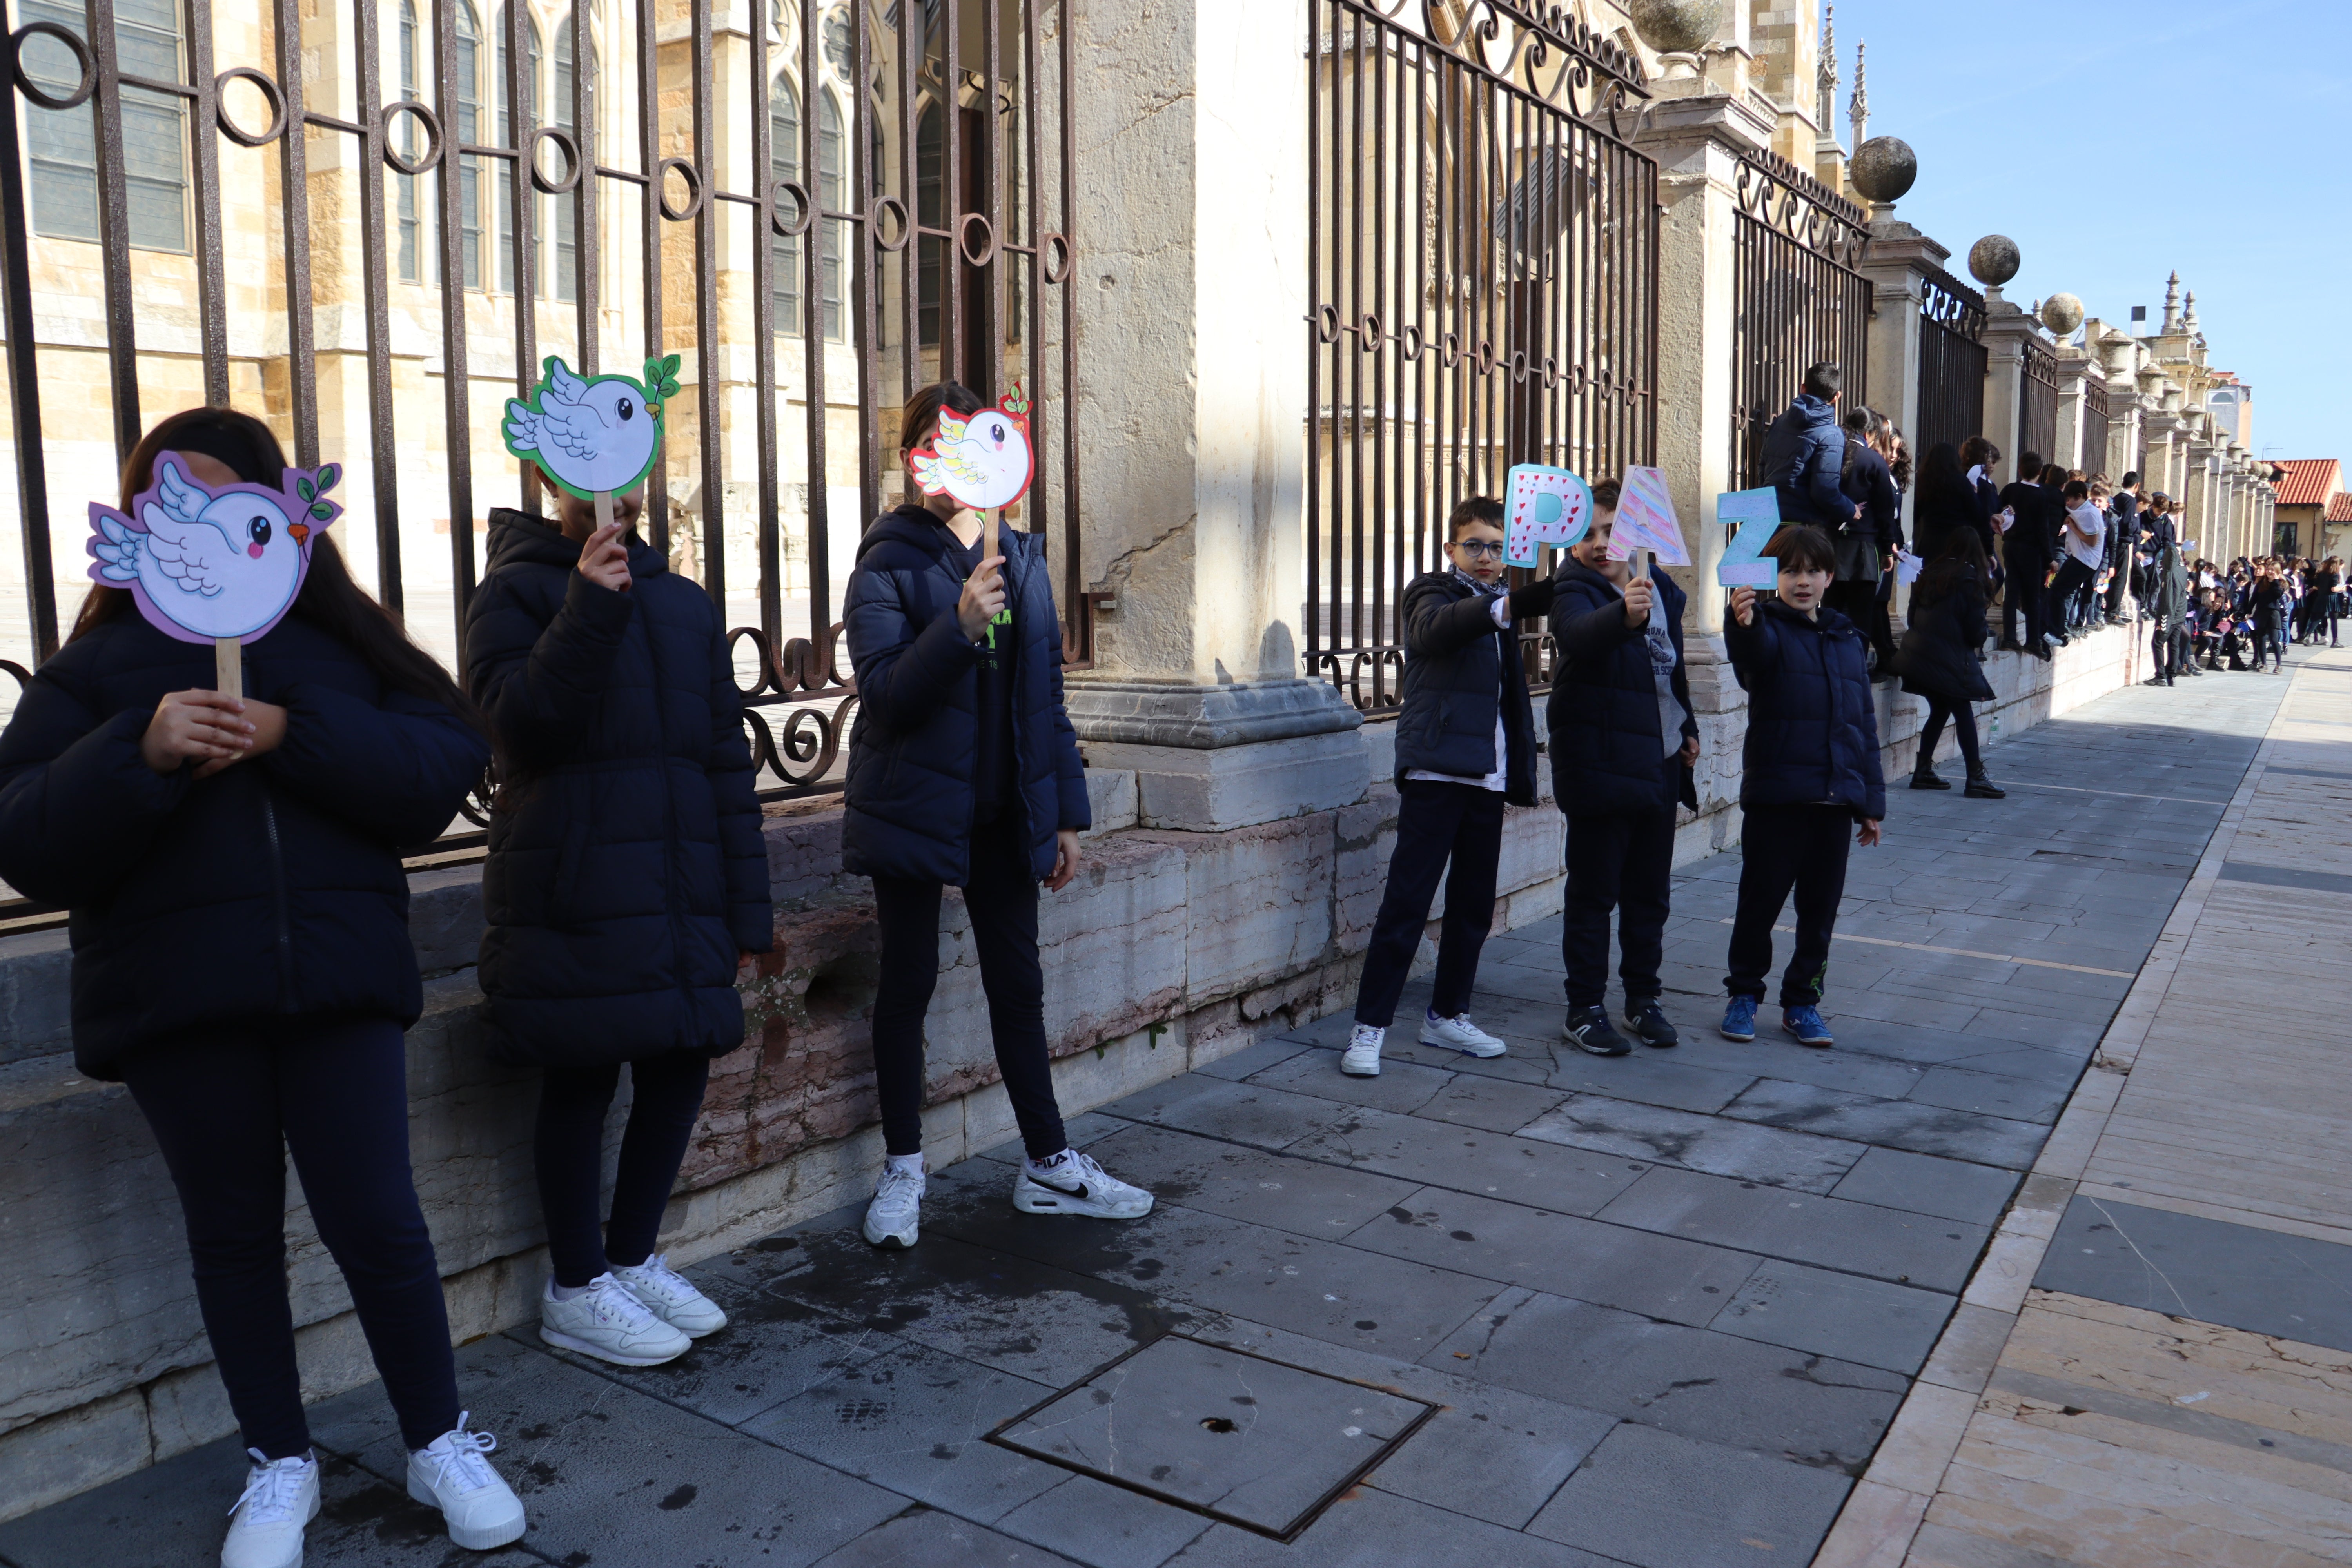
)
(2037, 402)
(1951, 361)
(368, 221)
(2095, 427)
(1799, 299)
(1483, 279)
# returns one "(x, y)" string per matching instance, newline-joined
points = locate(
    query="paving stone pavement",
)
(1544, 1310)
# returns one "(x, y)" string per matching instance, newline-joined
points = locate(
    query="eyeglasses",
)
(1478, 549)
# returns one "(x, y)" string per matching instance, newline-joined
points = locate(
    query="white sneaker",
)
(1459, 1034)
(609, 1323)
(1077, 1186)
(451, 1474)
(893, 1220)
(1362, 1056)
(265, 1527)
(671, 1296)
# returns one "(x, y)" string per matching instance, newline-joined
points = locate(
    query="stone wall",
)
(1170, 950)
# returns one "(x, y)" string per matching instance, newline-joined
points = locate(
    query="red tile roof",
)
(2339, 508)
(2308, 481)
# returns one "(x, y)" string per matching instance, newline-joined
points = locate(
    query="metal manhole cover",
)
(1257, 1443)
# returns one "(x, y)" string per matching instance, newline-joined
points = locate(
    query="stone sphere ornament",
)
(2062, 313)
(1677, 27)
(1884, 169)
(1994, 259)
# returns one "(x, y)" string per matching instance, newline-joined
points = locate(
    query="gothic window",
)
(931, 212)
(784, 163)
(466, 127)
(64, 145)
(408, 233)
(566, 225)
(514, 130)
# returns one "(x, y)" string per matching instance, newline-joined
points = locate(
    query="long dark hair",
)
(330, 599)
(1960, 560)
(1944, 488)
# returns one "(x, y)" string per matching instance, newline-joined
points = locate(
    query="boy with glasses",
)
(1465, 745)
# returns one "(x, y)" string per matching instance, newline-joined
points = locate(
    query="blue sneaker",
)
(1739, 1019)
(1806, 1024)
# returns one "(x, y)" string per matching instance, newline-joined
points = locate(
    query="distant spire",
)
(2189, 313)
(2172, 304)
(1860, 110)
(1825, 84)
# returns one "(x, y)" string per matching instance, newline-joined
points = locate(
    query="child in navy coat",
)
(1810, 772)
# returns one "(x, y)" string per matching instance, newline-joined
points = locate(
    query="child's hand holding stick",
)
(983, 598)
(1743, 606)
(604, 560)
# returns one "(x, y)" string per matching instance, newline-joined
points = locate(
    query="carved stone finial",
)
(1826, 80)
(2172, 304)
(1859, 110)
(2189, 313)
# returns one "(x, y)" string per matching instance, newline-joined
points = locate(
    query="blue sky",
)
(2115, 142)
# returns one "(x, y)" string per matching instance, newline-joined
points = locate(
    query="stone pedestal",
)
(2007, 331)
(1210, 758)
(1697, 141)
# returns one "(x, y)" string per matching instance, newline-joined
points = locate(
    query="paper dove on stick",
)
(981, 459)
(206, 563)
(594, 435)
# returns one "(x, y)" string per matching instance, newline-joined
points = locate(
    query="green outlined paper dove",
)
(594, 435)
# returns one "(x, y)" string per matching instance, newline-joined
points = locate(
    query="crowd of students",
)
(242, 961)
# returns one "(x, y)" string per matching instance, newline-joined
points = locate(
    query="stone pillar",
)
(2007, 330)
(1897, 264)
(1697, 141)
(1192, 283)
(2075, 370)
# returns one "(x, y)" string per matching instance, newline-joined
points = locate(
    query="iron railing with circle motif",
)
(1951, 361)
(1482, 272)
(946, 238)
(1798, 299)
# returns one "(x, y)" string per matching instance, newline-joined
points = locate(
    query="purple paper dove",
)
(205, 562)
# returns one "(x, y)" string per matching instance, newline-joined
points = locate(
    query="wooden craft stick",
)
(604, 509)
(228, 667)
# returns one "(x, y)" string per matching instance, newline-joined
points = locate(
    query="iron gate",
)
(2095, 426)
(1798, 301)
(866, 194)
(1483, 277)
(1951, 361)
(2037, 402)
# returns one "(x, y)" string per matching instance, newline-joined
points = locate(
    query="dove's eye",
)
(259, 529)
(628, 410)
(997, 431)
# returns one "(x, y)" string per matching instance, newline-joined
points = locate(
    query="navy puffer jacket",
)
(1455, 687)
(911, 752)
(1812, 729)
(626, 868)
(1606, 754)
(1804, 452)
(272, 888)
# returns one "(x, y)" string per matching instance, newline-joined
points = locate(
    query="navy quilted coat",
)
(272, 888)
(911, 752)
(1454, 688)
(1812, 728)
(1607, 755)
(626, 867)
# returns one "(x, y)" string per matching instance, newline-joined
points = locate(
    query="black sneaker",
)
(1648, 1024)
(1589, 1028)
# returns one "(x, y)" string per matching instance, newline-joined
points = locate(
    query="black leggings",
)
(1001, 899)
(1448, 831)
(665, 1098)
(1964, 725)
(227, 1105)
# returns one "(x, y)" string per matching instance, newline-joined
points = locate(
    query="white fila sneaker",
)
(452, 1474)
(1076, 1184)
(265, 1527)
(1459, 1034)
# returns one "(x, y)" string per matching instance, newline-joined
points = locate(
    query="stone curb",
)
(1889, 1503)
